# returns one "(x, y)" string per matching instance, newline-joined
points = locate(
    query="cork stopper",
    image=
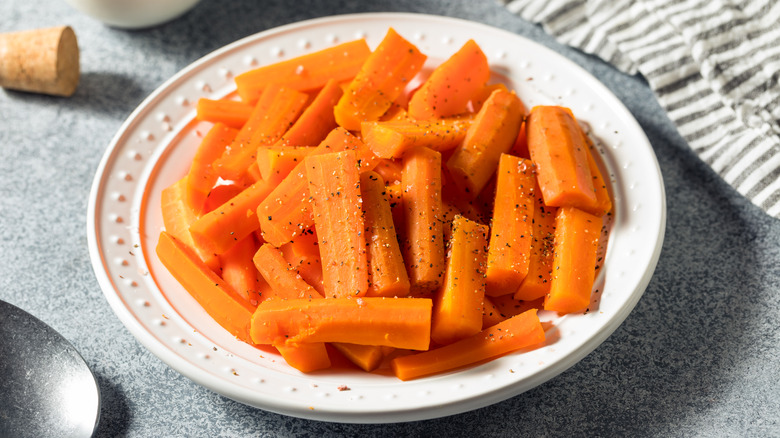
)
(40, 61)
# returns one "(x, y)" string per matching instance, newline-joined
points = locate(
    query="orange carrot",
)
(222, 227)
(520, 148)
(303, 254)
(317, 120)
(424, 243)
(387, 272)
(276, 162)
(220, 194)
(484, 94)
(178, 215)
(537, 282)
(574, 262)
(367, 357)
(391, 139)
(457, 306)
(284, 280)
(512, 225)
(492, 133)
(381, 79)
(393, 322)
(558, 149)
(273, 114)
(229, 112)
(389, 170)
(239, 272)
(306, 358)
(307, 72)
(603, 201)
(508, 306)
(491, 314)
(452, 85)
(201, 177)
(219, 300)
(518, 332)
(334, 188)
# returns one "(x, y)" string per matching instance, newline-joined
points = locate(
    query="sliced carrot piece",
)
(317, 120)
(389, 170)
(307, 72)
(423, 248)
(483, 95)
(518, 332)
(201, 178)
(603, 200)
(272, 116)
(491, 314)
(380, 81)
(393, 322)
(220, 194)
(367, 357)
(452, 85)
(239, 272)
(303, 254)
(457, 306)
(537, 282)
(219, 300)
(334, 188)
(229, 112)
(558, 149)
(574, 262)
(276, 162)
(512, 226)
(492, 133)
(391, 139)
(284, 280)
(178, 215)
(306, 357)
(520, 148)
(387, 271)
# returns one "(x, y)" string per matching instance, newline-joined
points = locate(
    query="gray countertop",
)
(698, 356)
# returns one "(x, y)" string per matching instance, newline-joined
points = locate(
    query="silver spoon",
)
(46, 388)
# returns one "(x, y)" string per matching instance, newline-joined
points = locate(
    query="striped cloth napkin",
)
(714, 66)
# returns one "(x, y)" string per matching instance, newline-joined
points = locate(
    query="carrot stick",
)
(512, 226)
(389, 170)
(491, 314)
(334, 188)
(367, 357)
(574, 262)
(492, 133)
(284, 279)
(239, 272)
(317, 120)
(222, 227)
(387, 271)
(518, 332)
(390, 139)
(273, 114)
(558, 149)
(276, 162)
(380, 81)
(603, 201)
(219, 300)
(393, 322)
(220, 194)
(178, 215)
(451, 86)
(520, 148)
(303, 254)
(484, 94)
(306, 358)
(305, 73)
(457, 306)
(201, 177)
(229, 112)
(537, 282)
(424, 243)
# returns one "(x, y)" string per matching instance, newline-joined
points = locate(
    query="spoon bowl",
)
(46, 388)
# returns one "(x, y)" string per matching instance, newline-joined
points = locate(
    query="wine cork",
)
(40, 61)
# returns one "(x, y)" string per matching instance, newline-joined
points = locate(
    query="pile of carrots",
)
(334, 208)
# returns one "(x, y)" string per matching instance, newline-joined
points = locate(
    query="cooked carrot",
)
(518, 332)
(457, 305)
(178, 215)
(367, 357)
(286, 212)
(508, 306)
(512, 226)
(201, 177)
(387, 271)
(271, 117)
(334, 188)
(276, 162)
(492, 133)
(537, 282)
(520, 148)
(389, 170)
(574, 262)
(219, 300)
(380, 81)
(222, 227)
(393, 322)
(558, 149)
(303, 254)
(229, 112)
(238, 270)
(474, 211)
(491, 314)
(484, 94)
(307, 72)
(423, 247)
(390, 139)
(284, 280)
(306, 358)
(452, 85)
(317, 120)
(603, 201)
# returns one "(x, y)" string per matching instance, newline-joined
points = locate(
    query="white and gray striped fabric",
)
(714, 66)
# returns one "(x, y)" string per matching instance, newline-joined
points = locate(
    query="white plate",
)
(153, 149)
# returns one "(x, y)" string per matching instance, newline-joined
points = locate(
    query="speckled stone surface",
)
(699, 355)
